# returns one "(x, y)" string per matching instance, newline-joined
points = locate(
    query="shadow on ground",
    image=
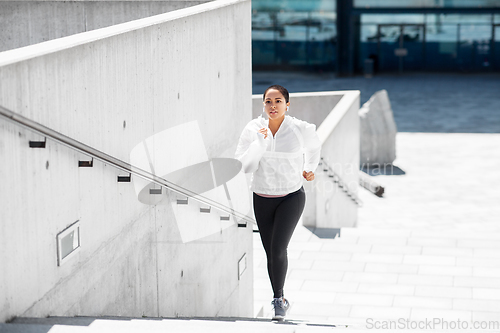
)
(327, 233)
(43, 325)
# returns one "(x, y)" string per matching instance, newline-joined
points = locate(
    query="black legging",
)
(277, 218)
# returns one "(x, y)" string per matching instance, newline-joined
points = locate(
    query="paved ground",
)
(427, 250)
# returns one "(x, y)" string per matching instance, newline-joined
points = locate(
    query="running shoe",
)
(280, 307)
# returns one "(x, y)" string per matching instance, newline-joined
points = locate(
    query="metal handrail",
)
(117, 163)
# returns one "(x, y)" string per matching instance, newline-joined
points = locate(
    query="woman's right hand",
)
(263, 131)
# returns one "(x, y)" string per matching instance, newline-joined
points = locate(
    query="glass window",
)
(322, 26)
(294, 5)
(454, 18)
(438, 32)
(427, 3)
(474, 47)
(497, 18)
(479, 33)
(392, 18)
(292, 26)
(292, 35)
(322, 36)
(369, 33)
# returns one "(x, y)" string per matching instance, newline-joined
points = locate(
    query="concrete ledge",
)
(64, 43)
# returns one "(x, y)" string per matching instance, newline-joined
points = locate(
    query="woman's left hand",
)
(308, 175)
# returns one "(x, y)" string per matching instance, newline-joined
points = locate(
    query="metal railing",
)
(117, 163)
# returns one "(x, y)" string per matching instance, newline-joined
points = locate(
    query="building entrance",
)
(496, 46)
(401, 47)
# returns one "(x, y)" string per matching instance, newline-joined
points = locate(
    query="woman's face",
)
(275, 104)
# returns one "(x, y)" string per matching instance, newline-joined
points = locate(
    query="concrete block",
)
(378, 131)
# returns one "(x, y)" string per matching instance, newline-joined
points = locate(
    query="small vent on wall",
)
(38, 144)
(155, 190)
(68, 243)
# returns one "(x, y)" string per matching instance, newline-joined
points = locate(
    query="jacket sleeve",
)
(312, 146)
(251, 147)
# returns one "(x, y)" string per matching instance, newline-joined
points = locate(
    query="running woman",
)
(281, 151)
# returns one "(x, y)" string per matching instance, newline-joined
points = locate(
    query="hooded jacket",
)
(278, 161)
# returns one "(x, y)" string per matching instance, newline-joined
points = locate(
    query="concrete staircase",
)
(383, 274)
(156, 325)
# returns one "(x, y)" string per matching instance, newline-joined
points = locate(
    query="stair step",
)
(154, 325)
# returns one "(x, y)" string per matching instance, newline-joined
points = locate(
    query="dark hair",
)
(281, 89)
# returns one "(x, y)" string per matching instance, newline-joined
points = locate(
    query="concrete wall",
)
(111, 89)
(27, 22)
(335, 115)
(340, 134)
(311, 107)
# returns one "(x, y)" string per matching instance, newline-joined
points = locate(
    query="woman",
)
(280, 152)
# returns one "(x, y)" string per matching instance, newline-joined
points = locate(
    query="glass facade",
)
(427, 3)
(303, 34)
(289, 33)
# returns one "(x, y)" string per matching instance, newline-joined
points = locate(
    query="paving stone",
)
(448, 251)
(431, 280)
(486, 293)
(445, 270)
(386, 289)
(390, 249)
(379, 312)
(431, 241)
(343, 266)
(428, 260)
(377, 258)
(449, 292)
(491, 319)
(325, 256)
(440, 318)
(337, 247)
(486, 271)
(390, 268)
(477, 262)
(330, 286)
(480, 282)
(359, 298)
(318, 309)
(487, 253)
(370, 277)
(476, 305)
(423, 302)
(327, 275)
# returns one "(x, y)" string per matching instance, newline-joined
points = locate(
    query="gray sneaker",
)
(280, 306)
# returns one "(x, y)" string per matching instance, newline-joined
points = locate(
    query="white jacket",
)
(277, 162)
